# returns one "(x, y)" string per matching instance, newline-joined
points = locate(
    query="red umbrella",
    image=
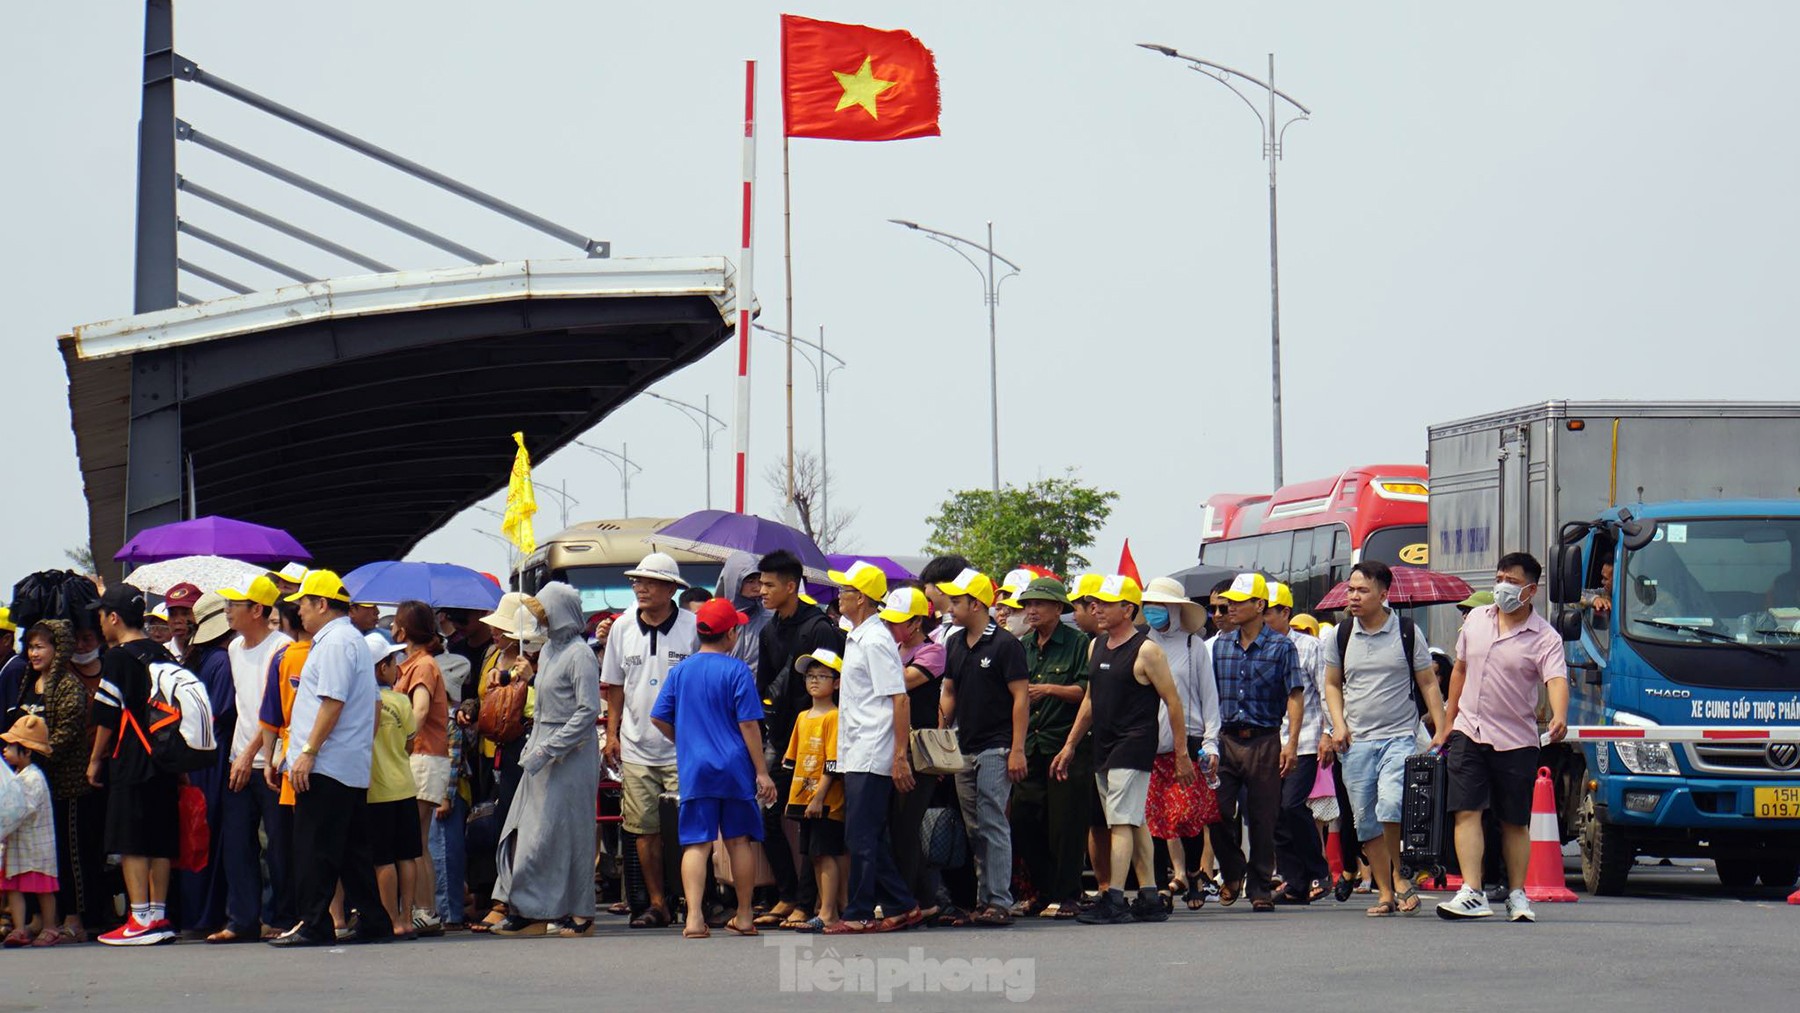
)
(1413, 587)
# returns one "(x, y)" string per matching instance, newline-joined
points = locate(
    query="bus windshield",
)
(607, 589)
(1726, 581)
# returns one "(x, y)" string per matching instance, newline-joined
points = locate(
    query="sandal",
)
(229, 935)
(731, 926)
(796, 919)
(51, 937)
(704, 933)
(495, 916)
(17, 938)
(1229, 893)
(1067, 910)
(846, 927)
(951, 917)
(993, 917)
(1315, 892)
(1343, 888)
(652, 918)
(1195, 896)
(619, 908)
(575, 928)
(814, 924)
(1407, 901)
(1382, 910)
(775, 916)
(517, 926)
(1262, 906)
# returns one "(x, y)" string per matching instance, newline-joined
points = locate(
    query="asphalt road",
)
(1680, 942)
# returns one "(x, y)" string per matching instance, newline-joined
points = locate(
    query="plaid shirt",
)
(31, 847)
(1254, 684)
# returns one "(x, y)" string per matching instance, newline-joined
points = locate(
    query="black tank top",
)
(1124, 709)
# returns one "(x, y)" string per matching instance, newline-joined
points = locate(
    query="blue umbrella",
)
(440, 585)
(717, 534)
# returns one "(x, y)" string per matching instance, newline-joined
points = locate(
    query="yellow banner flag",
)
(521, 501)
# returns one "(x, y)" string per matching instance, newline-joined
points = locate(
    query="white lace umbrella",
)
(208, 573)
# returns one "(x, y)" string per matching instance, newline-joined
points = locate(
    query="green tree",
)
(1046, 523)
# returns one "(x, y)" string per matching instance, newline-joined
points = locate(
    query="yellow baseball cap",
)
(905, 603)
(1084, 585)
(973, 583)
(862, 577)
(1118, 588)
(1281, 594)
(321, 584)
(262, 591)
(1247, 586)
(1305, 623)
(824, 657)
(6, 622)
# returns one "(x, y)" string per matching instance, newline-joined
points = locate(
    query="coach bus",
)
(592, 557)
(1308, 534)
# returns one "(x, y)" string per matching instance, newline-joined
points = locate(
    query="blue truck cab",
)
(1682, 613)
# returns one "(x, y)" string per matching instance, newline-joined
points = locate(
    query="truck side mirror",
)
(1566, 575)
(1633, 533)
(1568, 623)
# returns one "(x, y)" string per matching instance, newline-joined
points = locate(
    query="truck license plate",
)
(1778, 803)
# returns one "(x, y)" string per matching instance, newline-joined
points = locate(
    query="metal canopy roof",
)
(361, 414)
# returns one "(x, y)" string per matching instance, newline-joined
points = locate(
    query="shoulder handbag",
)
(502, 715)
(934, 751)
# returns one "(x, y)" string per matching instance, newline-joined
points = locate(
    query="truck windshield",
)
(1719, 582)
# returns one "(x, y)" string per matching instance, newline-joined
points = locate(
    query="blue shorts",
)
(704, 820)
(1375, 780)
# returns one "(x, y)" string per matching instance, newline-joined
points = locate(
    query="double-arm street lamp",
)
(702, 416)
(991, 293)
(1274, 128)
(621, 460)
(815, 355)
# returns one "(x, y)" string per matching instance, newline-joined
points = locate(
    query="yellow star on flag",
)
(861, 88)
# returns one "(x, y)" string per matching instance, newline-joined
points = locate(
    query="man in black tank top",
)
(1128, 676)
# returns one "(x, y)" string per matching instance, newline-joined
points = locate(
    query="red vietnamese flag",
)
(1128, 566)
(855, 83)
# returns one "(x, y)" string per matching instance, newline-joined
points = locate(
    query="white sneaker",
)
(1518, 907)
(1468, 903)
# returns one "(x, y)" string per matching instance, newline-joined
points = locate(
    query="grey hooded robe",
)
(546, 854)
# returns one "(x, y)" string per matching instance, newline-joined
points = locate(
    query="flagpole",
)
(787, 240)
(746, 290)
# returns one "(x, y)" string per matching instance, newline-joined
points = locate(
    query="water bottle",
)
(1210, 764)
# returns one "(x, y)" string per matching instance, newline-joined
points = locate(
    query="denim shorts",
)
(1375, 779)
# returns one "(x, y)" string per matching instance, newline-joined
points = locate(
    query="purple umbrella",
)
(841, 561)
(213, 536)
(717, 534)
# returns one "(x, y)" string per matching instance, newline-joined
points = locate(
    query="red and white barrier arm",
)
(1684, 733)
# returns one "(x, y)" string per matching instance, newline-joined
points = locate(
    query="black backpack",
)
(1408, 639)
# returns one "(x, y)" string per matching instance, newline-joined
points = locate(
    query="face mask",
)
(1157, 616)
(85, 657)
(1016, 624)
(1508, 596)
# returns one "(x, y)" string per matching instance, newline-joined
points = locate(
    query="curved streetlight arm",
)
(1264, 85)
(612, 457)
(695, 414)
(953, 248)
(813, 345)
(915, 226)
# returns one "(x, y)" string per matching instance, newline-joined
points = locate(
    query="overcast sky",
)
(1490, 206)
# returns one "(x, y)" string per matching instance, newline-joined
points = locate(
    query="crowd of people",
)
(946, 751)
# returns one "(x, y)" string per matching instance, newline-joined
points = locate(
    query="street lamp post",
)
(621, 460)
(512, 551)
(1273, 131)
(991, 294)
(703, 417)
(563, 499)
(822, 380)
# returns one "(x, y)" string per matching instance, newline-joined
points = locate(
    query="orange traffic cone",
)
(1544, 880)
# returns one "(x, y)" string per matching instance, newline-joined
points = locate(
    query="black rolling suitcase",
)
(1425, 843)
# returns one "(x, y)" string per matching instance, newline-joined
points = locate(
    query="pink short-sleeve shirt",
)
(1502, 673)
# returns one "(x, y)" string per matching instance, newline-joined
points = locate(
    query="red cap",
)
(716, 615)
(182, 596)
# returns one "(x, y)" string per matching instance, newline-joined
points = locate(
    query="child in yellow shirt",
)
(392, 815)
(816, 799)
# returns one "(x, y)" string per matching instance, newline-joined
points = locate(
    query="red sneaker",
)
(136, 933)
